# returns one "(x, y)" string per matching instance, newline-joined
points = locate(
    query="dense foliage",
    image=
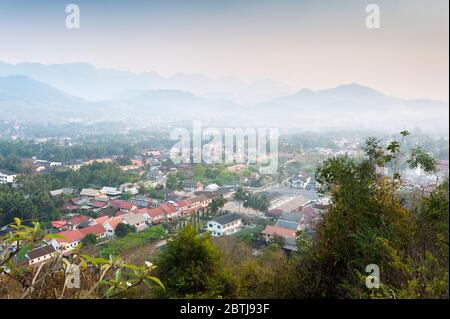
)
(30, 198)
(191, 267)
(131, 241)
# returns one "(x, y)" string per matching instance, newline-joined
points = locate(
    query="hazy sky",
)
(315, 44)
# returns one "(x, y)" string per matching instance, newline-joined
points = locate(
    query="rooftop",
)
(41, 251)
(287, 224)
(283, 232)
(226, 219)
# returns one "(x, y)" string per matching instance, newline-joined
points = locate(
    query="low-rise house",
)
(72, 165)
(170, 211)
(224, 225)
(123, 205)
(157, 215)
(212, 187)
(98, 204)
(288, 234)
(67, 241)
(271, 231)
(200, 201)
(111, 225)
(275, 213)
(185, 207)
(7, 177)
(60, 224)
(55, 164)
(101, 220)
(155, 174)
(98, 230)
(295, 217)
(144, 201)
(136, 220)
(76, 221)
(290, 244)
(300, 181)
(129, 188)
(89, 193)
(111, 191)
(192, 186)
(40, 255)
(145, 213)
(282, 223)
(62, 191)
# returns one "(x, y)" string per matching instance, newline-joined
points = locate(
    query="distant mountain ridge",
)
(348, 105)
(22, 97)
(92, 83)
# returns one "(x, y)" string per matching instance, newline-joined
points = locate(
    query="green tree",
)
(216, 204)
(174, 183)
(240, 195)
(89, 239)
(192, 267)
(366, 224)
(124, 229)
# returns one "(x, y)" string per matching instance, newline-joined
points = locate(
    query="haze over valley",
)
(82, 92)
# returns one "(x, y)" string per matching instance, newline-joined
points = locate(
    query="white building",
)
(40, 255)
(7, 177)
(224, 225)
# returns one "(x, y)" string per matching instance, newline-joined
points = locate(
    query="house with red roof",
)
(59, 224)
(145, 213)
(98, 204)
(170, 211)
(123, 205)
(101, 220)
(157, 215)
(111, 225)
(67, 241)
(135, 220)
(271, 231)
(185, 207)
(77, 220)
(98, 230)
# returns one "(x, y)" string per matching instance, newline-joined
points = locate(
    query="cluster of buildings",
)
(38, 165)
(139, 212)
(288, 224)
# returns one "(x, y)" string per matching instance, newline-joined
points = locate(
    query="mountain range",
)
(95, 84)
(83, 92)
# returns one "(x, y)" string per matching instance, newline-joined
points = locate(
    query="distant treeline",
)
(31, 198)
(11, 152)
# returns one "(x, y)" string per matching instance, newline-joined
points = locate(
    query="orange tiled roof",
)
(283, 232)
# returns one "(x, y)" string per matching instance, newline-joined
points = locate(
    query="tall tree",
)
(192, 267)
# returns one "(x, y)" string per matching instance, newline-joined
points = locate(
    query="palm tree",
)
(216, 204)
(257, 202)
(248, 201)
(263, 204)
(240, 196)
